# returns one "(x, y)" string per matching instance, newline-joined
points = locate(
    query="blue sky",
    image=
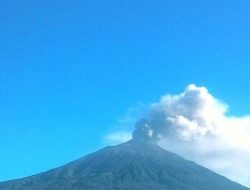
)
(70, 69)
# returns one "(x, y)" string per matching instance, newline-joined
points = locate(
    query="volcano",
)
(128, 166)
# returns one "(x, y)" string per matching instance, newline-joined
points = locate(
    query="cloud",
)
(118, 137)
(195, 125)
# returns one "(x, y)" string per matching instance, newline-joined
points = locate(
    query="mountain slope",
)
(128, 166)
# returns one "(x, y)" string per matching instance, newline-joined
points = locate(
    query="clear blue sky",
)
(70, 69)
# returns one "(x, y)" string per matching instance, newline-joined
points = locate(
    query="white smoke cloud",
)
(118, 137)
(195, 125)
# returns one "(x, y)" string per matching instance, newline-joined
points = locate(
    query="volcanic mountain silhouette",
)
(128, 166)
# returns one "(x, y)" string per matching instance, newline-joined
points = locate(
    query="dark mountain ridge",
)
(128, 166)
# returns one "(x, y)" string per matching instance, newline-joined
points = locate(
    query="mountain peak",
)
(132, 165)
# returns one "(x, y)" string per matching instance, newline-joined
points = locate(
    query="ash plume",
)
(195, 125)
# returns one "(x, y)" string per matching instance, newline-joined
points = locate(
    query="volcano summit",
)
(134, 165)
